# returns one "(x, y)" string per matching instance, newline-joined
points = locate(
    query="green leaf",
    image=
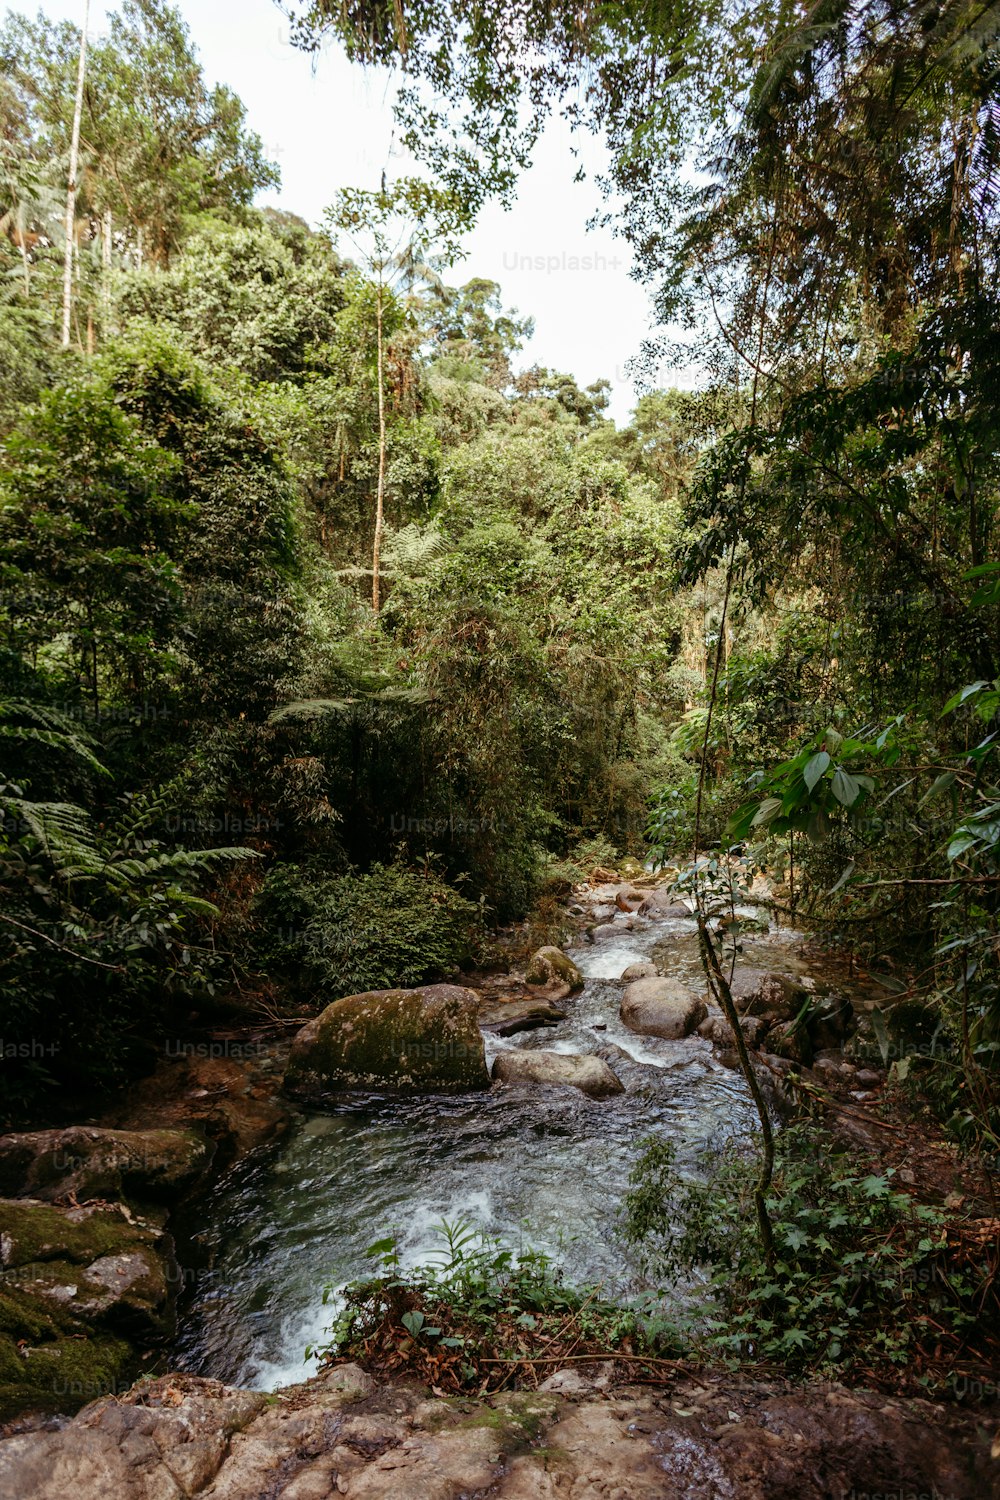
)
(845, 875)
(413, 1322)
(845, 788)
(767, 811)
(815, 768)
(939, 784)
(881, 1034)
(964, 693)
(795, 1238)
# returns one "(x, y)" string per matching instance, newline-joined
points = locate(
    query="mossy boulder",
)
(85, 1162)
(81, 1290)
(422, 1040)
(553, 966)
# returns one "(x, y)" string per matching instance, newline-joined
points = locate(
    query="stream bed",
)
(540, 1167)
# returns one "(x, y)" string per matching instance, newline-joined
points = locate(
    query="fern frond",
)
(50, 727)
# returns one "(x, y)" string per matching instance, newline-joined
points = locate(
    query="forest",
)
(344, 651)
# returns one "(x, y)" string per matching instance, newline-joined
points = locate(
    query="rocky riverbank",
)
(90, 1275)
(581, 1435)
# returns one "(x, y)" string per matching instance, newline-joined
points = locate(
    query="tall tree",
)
(398, 232)
(74, 157)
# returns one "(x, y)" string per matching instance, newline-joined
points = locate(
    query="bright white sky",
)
(329, 124)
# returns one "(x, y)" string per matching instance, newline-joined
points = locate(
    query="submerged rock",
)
(415, 1040)
(552, 965)
(590, 1075)
(506, 1017)
(661, 1007)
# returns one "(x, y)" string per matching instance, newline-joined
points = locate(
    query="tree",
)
(157, 144)
(397, 232)
(74, 153)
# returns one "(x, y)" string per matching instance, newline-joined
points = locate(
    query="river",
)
(544, 1167)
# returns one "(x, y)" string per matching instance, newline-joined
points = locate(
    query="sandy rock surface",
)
(580, 1438)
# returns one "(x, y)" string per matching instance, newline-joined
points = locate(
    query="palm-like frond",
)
(51, 727)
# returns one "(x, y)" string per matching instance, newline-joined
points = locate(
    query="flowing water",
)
(544, 1167)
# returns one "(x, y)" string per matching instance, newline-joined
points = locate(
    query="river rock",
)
(82, 1289)
(553, 966)
(716, 1029)
(661, 1007)
(413, 1040)
(761, 992)
(660, 903)
(180, 1435)
(590, 1075)
(85, 1162)
(639, 971)
(829, 1020)
(506, 1017)
(791, 1039)
(232, 1101)
(610, 931)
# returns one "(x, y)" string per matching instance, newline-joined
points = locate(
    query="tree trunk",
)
(74, 155)
(106, 232)
(380, 490)
(25, 263)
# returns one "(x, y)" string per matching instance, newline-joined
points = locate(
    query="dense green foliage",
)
(867, 1282)
(476, 1316)
(188, 500)
(330, 637)
(346, 934)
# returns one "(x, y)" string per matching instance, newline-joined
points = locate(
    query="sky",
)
(328, 124)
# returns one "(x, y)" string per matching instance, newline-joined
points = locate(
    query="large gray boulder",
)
(422, 1040)
(661, 1007)
(590, 1075)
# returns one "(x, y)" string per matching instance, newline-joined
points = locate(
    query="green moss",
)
(36, 1232)
(60, 1348)
(402, 1039)
(552, 963)
(517, 1419)
(50, 1361)
(63, 1373)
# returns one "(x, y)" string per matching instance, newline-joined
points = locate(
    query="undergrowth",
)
(479, 1317)
(868, 1283)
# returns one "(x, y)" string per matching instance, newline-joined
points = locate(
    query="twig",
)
(115, 968)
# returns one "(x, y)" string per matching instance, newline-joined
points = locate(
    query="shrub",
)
(867, 1280)
(479, 1317)
(389, 928)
